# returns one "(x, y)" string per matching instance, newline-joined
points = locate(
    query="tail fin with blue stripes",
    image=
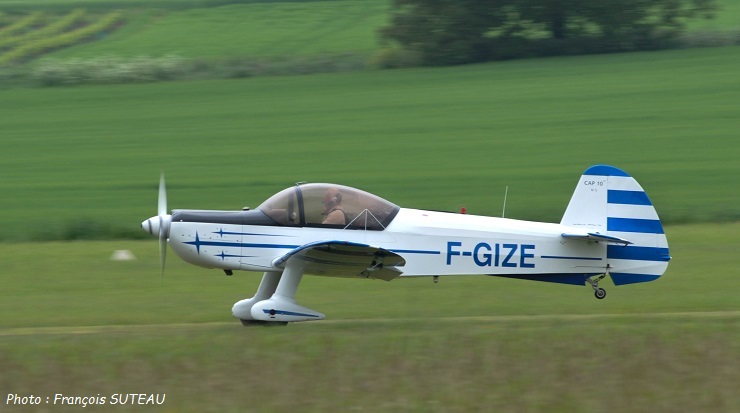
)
(609, 202)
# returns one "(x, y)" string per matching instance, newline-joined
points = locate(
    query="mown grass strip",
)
(49, 30)
(479, 320)
(62, 40)
(21, 24)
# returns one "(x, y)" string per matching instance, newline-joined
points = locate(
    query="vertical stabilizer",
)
(609, 201)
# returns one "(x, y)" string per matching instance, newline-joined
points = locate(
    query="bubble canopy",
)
(329, 205)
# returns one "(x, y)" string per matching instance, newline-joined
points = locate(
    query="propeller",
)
(159, 225)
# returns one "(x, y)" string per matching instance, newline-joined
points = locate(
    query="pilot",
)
(333, 212)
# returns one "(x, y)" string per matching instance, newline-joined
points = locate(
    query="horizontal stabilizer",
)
(595, 236)
(345, 259)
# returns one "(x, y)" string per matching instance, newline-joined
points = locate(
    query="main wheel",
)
(600, 293)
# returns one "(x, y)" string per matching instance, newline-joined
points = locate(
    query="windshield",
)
(329, 205)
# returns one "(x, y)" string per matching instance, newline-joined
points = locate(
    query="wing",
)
(595, 236)
(345, 259)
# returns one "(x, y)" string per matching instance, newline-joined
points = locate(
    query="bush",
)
(710, 38)
(53, 72)
(395, 58)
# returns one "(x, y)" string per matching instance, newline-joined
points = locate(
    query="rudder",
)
(609, 201)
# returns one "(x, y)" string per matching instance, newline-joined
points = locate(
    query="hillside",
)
(426, 138)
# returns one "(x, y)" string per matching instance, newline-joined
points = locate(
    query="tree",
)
(445, 31)
(462, 31)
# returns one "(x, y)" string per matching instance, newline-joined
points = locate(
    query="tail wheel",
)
(600, 293)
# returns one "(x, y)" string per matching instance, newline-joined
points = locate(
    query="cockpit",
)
(329, 205)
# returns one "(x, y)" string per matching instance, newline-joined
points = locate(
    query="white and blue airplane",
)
(610, 227)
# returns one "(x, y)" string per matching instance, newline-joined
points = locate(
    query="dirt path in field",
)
(20, 331)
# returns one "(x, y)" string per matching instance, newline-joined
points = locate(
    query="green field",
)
(90, 157)
(74, 322)
(255, 30)
(605, 365)
(727, 17)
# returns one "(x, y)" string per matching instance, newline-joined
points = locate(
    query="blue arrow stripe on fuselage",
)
(222, 233)
(198, 243)
(558, 257)
(416, 252)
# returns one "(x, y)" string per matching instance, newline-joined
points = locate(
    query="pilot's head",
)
(332, 198)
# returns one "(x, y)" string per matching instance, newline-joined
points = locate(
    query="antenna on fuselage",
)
(506, 192)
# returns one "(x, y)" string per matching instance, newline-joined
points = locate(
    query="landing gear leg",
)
(243, 309)
(281, 306)
(599, 293)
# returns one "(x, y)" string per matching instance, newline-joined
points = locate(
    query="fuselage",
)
(432, 243)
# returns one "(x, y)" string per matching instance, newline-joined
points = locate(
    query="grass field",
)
(75, 323)
(88, 158)
(614, 365)
(726, 18)
(254, 30)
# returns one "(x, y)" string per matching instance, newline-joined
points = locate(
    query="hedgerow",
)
(54, 72)
(110, 69)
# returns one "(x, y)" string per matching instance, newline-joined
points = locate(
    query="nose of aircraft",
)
(151, 225)
(160, 223)
(156, 224)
